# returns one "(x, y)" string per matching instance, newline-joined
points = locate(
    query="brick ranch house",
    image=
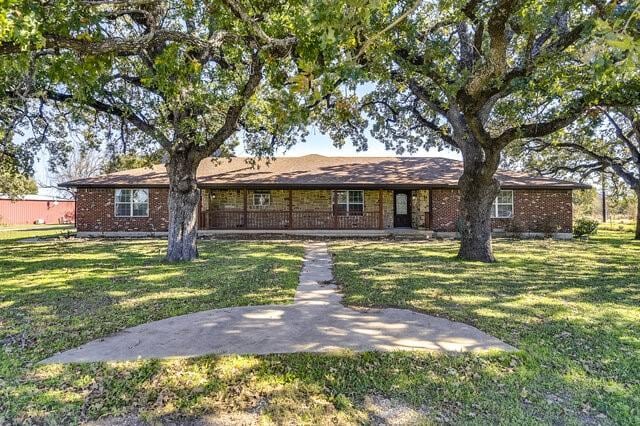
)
(376, 195)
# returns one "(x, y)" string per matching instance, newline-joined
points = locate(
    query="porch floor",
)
(390, 232)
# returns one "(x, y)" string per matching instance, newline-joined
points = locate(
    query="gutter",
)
(551, 186)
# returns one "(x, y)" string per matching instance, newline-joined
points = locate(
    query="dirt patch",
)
(384, 411)
(223, 419)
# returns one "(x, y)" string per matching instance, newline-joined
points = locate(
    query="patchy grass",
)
(58, 294)
(572, 308)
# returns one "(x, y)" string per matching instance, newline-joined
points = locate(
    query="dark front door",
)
(402, 209)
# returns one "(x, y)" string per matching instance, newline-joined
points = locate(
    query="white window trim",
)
(360, 213)
(261, 205)
(494, 206)
(130, 203)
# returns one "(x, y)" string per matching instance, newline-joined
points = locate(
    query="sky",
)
(316, 143)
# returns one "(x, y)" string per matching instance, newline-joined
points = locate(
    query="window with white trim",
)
(503, 205)
(261, 198)
(132, 203)
(349, 203)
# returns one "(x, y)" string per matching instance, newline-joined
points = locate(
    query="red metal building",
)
(33, 209)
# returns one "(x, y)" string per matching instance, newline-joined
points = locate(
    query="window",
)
(132, 202)
(261, 198)
(503, 205)
(349, 203)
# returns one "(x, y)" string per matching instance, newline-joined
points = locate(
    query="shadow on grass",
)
(56, 295)
(571, 307)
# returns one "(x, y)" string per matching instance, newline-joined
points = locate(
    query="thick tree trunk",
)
(184, 197)
(478, 190)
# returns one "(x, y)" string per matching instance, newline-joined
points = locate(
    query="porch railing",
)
(285, 219)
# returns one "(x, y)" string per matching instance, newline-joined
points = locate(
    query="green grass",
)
(57, 294)
(570, 307)
(19, 232)
(621, 225)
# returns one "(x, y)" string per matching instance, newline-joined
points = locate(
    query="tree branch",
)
(116, 111)
(535, 130)
(280, 47)
(605, 161)
(233, 113)
(635, 154)
(419, 92)
(440, 130)
(386, 29)
(120, 45)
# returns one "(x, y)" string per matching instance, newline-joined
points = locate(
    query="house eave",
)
(355, 185)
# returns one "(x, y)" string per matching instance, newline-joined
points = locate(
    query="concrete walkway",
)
(315, 322)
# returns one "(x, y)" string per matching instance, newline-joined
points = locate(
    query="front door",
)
(402, 209)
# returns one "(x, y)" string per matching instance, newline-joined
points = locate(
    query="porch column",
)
(290, 209)
(199, 221)
(244, 209)
(380, 210)
(334, 206)
(430, 212)
(206, 196)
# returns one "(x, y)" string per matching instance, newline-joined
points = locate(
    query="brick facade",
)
(95, 212)
(534, 210)
(309, 201)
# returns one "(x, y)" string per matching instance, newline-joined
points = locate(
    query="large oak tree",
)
(475, 76)
(187, 75)
(606, 140)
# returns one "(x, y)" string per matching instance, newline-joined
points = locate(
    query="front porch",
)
(243, 209)
(393, 233)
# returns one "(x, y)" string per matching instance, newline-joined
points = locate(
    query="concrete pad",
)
(315, 322)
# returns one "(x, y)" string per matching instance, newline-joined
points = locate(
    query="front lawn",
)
(56, 294)
(572, 308)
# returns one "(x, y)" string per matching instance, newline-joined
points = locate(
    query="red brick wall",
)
(95, 212)
(534, 210)
(540, 210)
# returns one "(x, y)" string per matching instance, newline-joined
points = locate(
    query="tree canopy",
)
(189, 77)
(475, 76)
(605, 140)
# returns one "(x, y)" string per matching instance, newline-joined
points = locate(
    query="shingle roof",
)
(320, 171)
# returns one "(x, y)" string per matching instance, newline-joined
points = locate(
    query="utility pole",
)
(604, 200)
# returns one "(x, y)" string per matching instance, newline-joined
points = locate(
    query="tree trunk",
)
(184, 197)
(478, 190)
